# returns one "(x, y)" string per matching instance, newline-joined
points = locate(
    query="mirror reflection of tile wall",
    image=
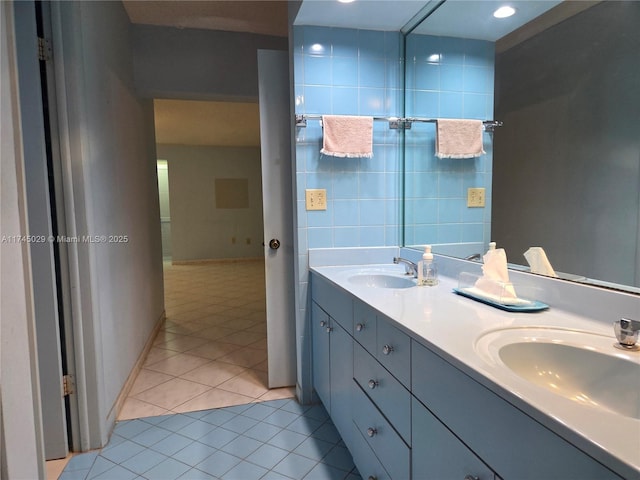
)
(446, 78)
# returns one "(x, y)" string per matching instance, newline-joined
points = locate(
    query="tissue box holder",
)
(499, 298)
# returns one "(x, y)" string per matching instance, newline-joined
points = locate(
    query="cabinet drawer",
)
(513, 444)
(364, 326)
(366, 461)
(335, 301)
(393, 453)
(439, 454)
(394, 351)
(393, 400)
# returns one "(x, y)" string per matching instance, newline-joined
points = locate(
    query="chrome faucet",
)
(410, 268)
(474, 256)
(626, 331)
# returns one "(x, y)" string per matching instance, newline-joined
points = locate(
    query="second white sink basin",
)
(579, 366)
(381, 280)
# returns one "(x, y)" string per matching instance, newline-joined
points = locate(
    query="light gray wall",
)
(566, 173)
(199, 230)
(112, 167)
(198, 64)
(22, 451)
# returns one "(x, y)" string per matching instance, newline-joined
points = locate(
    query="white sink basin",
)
(580, 366)
(381, 280)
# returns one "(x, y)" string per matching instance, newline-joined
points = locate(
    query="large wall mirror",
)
(563, 172)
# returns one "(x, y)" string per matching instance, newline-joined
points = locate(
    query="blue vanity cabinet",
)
(364, 325)
(320, 329)
(393, 453)
(512, 443)
(438, 454)
(388, 394)
(341, 381)
(332, 351)
(332, 369)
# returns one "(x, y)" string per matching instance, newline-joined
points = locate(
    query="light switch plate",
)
(316, 199)
(475, 197)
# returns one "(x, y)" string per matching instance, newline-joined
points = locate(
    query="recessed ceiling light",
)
(346, 1)
(504, 12)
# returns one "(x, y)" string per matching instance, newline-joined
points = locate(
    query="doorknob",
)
(274, 244)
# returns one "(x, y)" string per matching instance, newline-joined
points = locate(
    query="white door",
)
(277, 200)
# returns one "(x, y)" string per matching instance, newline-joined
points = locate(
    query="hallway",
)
(212, 350)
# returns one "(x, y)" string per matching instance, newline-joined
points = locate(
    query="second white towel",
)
(459, 138)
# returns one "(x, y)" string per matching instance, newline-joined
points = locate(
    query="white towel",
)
(538, 261)
(347, 136)
(457, 138)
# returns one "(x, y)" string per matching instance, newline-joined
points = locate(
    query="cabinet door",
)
(341, 362)
(320, 328)
(438, 454)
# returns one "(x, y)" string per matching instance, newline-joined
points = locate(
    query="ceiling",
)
(261, 17)
(455, 18)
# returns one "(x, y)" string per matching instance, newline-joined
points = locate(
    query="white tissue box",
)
(503, 293)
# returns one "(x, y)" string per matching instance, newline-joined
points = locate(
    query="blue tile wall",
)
(446, 78)
(360, 72)
(348, 72)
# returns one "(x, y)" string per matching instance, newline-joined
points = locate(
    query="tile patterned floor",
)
(212, 350)
(271, 440)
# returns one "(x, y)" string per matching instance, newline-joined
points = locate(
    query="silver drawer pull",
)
(322, 323)
(359, 327)
(373, 384)
(371, 431)
(471, 477)
(372, 477)
(329, 329)
(387, 349)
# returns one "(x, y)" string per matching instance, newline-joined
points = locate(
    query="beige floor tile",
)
(214, 398)
(260, 344)
(242, 338)
(213, 349)
(278, 393)
(164, 336)
(178, 364)
(183, 344)
(241, 323)
(214, 333)
(172, 393)
(245, 357)
(252, 383)
(259, 328)
(55, 467)
(156, 354)
(188, 328)
(147, 379)
(134, 408)
(214, 373)
(262, 366)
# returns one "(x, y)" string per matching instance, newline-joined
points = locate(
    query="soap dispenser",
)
(427, 270)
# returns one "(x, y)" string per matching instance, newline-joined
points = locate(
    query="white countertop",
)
(450, 325)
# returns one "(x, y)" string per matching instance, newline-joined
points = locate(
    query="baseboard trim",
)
(216, 260)
(128, 384)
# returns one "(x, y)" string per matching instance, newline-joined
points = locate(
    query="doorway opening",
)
(212, 350)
